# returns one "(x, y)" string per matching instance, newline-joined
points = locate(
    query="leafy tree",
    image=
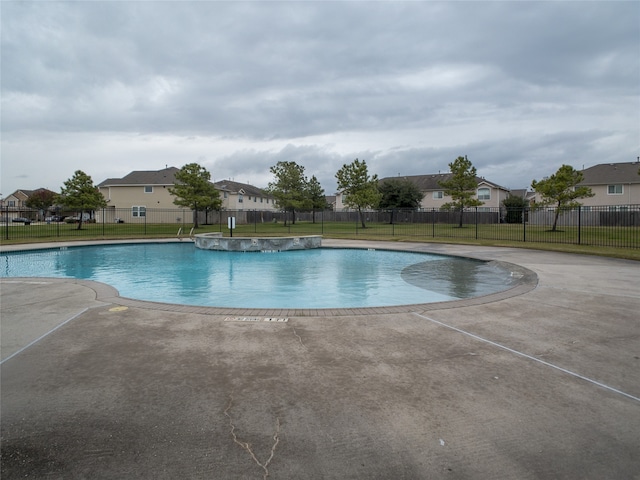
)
(289, 188)
(42, 199)
(315, 194)
(360, 191)
(461, 186)
(514, 205)
(194, 190)
(561, 190)
(79, 194)
(399, 193)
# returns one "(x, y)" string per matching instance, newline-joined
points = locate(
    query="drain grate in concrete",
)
(256, 319)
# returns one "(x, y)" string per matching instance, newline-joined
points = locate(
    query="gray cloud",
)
(520, 87)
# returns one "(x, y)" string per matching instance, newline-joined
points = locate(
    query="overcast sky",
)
(519, 87)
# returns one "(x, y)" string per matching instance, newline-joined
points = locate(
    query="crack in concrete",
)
(247, 446)
(299, 337)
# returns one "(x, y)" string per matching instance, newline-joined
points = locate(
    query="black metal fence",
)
(609, 226)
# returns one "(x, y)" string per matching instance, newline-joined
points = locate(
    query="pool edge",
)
(109, 294)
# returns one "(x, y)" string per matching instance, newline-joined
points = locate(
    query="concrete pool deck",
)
(543, 383)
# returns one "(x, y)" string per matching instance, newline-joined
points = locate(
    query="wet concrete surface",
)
(541, 384)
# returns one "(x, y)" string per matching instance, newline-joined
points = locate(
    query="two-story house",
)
(15, 205)
(616, 185)
(149, 189)
(491, 194)
(241, 196)
(140, 189)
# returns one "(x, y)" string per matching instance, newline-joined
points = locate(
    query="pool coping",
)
(527, 282)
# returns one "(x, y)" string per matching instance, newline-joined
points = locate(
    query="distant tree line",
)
(293, 191)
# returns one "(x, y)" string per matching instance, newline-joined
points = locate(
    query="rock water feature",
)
(215, 241)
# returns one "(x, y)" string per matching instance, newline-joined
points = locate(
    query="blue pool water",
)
(317, 278)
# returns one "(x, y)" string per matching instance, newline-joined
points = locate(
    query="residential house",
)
(241, 196)
(523, 193)
(15, 205)
(616, 185)
(149, 189)
(489, 193)
(140, 190)
(331, 202)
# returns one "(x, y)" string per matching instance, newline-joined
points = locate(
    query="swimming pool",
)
(307, 279)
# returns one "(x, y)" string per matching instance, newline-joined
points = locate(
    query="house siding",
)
(127, 196)
(131, 191)
(630, 195)
(599, 177)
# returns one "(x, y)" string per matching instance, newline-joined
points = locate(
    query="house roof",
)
(522, 193)
(430, 182)
(23, 194)
(166, 176)
(611, 173)
(235, 187)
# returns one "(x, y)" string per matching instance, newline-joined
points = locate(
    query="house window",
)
(614, 189)
(484, 194)
(137, 211)
(260, 199)
(240, 198)
(255, 199)
(12, 203)
(225, 194)
(148, 189)
(438, 195)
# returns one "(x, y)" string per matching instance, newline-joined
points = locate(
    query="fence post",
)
(393, 225)
(6, 222)
(145, 222)
(579, 224)
(433, 222)
(104, 221)
(476, 223)
(524, 224)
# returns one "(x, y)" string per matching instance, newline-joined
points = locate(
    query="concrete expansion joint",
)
(247, 446)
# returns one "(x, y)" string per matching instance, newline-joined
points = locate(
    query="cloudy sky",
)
(521, 88)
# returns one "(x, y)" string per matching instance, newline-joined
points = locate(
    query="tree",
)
(289, 188)
(514, 205)
(79, 194)
(561, 189)
(399, 193)
(358, 188)
(461, 186)
(194, 190)
(315, 194)
(41, 200)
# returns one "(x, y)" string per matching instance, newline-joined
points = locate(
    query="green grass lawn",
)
(623, 242)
